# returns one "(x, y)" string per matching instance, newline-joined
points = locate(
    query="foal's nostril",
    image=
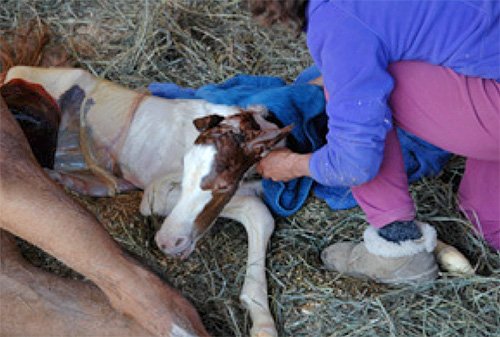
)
(172, 244)
(180, 242)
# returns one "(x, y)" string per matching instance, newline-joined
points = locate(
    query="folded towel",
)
(304, 105)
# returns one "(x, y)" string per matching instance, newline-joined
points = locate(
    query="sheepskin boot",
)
(385, 261)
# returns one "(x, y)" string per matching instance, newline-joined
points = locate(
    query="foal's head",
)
(213, 168)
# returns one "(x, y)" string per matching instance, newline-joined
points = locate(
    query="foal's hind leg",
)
(35, 302)
(86, 183)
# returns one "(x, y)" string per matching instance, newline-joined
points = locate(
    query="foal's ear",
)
(265, 140)
(204, 123)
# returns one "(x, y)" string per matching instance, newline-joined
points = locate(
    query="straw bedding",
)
(192, 43)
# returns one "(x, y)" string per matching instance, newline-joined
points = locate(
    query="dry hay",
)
(192, 43)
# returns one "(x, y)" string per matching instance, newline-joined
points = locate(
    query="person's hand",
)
(284, 165)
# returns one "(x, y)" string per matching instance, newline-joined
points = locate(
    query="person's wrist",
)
(301, 165)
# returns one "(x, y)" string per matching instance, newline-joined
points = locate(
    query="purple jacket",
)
(352, 43)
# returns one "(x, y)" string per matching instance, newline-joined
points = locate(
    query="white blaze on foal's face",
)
(177, 235)
(213, 168)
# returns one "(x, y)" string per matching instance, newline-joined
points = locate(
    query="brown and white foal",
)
(189, 156)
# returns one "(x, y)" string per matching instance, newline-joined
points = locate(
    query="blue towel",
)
(303, 104)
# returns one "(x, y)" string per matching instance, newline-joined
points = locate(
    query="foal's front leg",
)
(259, 224)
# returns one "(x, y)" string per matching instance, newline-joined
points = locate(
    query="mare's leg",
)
(35, 302)
(259, 224)
(35, 208)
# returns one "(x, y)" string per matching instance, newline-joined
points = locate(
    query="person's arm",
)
(353, 61)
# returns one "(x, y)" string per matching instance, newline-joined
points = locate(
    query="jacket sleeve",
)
(353, 61)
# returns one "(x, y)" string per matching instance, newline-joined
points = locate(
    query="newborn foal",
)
(213, 169)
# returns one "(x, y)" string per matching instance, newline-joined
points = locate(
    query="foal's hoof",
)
(264, 331)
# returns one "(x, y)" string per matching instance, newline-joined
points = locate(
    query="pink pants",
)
(456, 113)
